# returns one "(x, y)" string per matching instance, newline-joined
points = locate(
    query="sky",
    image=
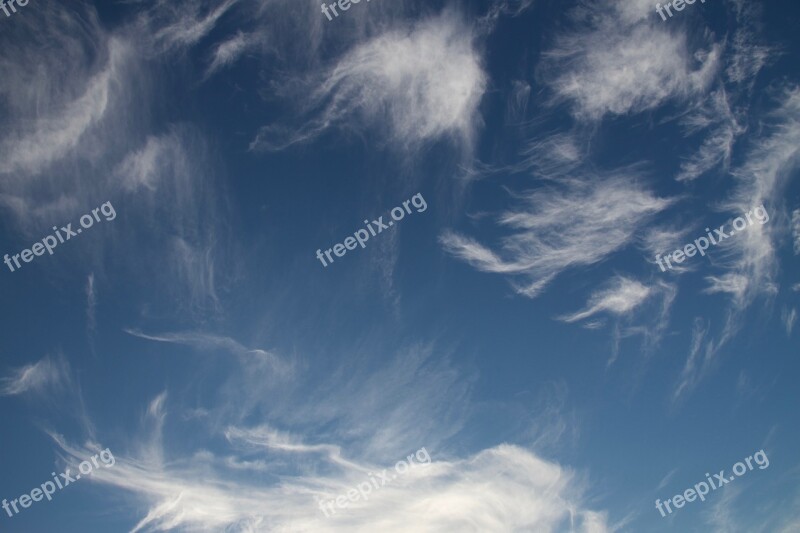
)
(258, 257)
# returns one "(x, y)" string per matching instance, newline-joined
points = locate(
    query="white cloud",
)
(702, 354)
(499, 8)
(380, 407)
(666, 479)
(374, 405)
(721, 515)
(517, 104)
(717, 147)
(662, 241)
(140, 168)
(179, 205)
(622, 296)
(91, 304)
(747, 56)
(209, 342)
(749, 261)
(182, 24)
(194, 264)
(624, 299)
(45, 376)
(79, 97)
(227, 52)
(322, 440)
(796, 230)
(789, 317)
(501, 488)
(33, 145)
(418, 85)
(570, 224)
(761, 181)
(730, 283)
(553, 425)
(692, 369)
(551, 156)
(622, 60)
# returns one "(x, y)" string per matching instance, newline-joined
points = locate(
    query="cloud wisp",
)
(620, 298)
(573, 223)
(45, 376)
(419, 84)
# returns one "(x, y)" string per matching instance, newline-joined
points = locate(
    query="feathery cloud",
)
(570, 224)
(621, 60)
(45, 376)
(622, 296)
(477, 493)
(421, 84)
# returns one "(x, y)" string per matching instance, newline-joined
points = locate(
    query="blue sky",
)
(519, 328)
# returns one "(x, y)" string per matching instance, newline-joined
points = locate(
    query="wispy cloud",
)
(518, 99)
(44, 130)
(47, 375)
(703, 353)
(176, 25)
(271, 475)
(749, 262)
(554, 424)
(91, 304)
(620, 60)
(663, 483)
(173, 177)
(622, 296)
(208, 342)
(227, 52)
(201, 494)
(734, 284)
(748, 55)
(500, 8)
(716, 148)
(789, 317)
(721, 515)
(624, 299)
(264, 437)
(762, 180)
(420, 84)
(552, 156)
(694, 367)
(570, 224)
(662, 240)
